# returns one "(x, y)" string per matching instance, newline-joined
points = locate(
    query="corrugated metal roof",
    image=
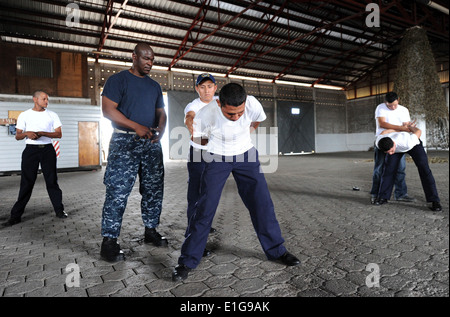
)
(312, 41)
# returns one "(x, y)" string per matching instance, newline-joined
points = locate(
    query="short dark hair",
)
(385, 144)
(232, 94)
(37, 93)
(141, 46)
(391, 97)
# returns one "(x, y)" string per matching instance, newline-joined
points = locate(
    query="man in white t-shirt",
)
(38, 126)
(390, 115)
(395, 145)
(206, 88)
(227, 123)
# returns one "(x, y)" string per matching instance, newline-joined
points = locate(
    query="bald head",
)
(140, 47)
(40, 99)
(37, 93)
(143, 58)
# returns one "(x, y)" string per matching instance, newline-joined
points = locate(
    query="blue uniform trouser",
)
(253, 190)
(127, 158)
(195, 167)
(420, 158)
(399, 181)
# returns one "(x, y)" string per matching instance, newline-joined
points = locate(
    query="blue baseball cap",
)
(203, 77)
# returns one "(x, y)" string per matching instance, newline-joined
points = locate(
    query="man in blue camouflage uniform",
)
(134, 103)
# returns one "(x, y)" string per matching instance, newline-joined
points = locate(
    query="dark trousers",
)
(31, 157)
(420, 158)
(253, 190)
(399, 180)
(195, 167)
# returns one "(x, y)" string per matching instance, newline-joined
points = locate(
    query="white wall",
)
(70, 111)
(344, 142)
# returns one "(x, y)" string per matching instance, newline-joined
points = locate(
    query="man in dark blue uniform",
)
(134, 103)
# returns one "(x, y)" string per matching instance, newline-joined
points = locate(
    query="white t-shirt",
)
(228, 137)
(46, 121)
(195, 106)
(395, 117)
(404, 141)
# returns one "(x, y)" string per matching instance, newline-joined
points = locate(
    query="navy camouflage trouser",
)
(128, 158)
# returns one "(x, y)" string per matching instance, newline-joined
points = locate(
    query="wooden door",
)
(88, 144)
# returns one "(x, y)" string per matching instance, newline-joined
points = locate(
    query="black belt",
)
(41, 146)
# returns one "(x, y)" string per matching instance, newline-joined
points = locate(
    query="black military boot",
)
(151, 236)
(110, 250)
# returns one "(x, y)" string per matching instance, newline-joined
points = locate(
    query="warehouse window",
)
(35, 67)
(295, 111)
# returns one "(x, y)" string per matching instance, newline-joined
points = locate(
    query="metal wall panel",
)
(70, 111)
(178, 133)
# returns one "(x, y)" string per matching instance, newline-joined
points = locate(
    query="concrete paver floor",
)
(343, 242)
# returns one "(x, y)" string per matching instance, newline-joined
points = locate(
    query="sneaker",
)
(436, 206)
(405, 198)
(110, 250)
(152, 236)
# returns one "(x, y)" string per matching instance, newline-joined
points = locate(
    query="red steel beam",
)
(199, 18)
(259, 36)
(105, 26)
(176, 59)
(326, 26)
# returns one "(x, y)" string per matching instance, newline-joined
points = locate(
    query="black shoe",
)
(61, 214)
(373, 200)
(212, 230)
(110, 250)
(180, 273)
(380, 202)
(289, 259)
(11, 222)
(436, 206)
(151, 236)
(206, 253)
